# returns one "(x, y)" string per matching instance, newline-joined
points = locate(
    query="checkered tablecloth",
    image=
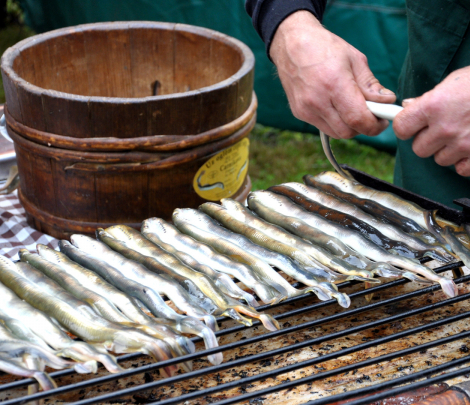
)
(15, 233)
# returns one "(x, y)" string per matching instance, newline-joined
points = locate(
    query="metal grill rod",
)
(316, 306)
(261, 356)
(151, 367)
(322, 339)
(397, 381)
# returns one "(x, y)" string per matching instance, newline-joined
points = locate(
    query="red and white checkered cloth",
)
(15, 233)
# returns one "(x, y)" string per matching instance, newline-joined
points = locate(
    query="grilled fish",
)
(227, 305)
(222, 280)
(160, 232)
(33, 325)
(286, 207)
(406, 208)
(79, 318)
(8, 365)
(129, 278)
(274, 252)
(355, 218)
(107, 300)
(375, 209)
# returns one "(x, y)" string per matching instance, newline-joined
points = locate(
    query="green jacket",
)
(439, 43)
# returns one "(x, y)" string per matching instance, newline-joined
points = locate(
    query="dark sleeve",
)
(268, 14)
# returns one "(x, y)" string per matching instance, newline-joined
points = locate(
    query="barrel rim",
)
(13, 52)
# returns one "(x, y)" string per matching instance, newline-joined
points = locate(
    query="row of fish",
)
(103, 290)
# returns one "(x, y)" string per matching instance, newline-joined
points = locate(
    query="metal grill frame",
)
(411, 382)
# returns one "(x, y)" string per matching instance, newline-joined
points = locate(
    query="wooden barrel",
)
(118, 122)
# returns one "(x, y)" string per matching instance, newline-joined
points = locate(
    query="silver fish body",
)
(274, 252)
(227, 305)
(128, 277)
(385, 228)
(26, 321)
(286, 207)
(205, 254)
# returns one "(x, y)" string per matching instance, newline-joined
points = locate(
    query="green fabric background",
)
(376, 27)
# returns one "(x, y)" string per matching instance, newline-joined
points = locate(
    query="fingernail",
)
(386, 92)
(407, 101)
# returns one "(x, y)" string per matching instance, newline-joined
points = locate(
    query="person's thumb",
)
(369, 84)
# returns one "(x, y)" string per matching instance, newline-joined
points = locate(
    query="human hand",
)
(327, 81)
(439, 121)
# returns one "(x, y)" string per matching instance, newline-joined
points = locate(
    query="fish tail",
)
(322, 295)
(439, 254)
(432, 225)
(83, 352)
(343, 299)
(160, 351)
(414, 277)
(87, 367)
(250, 300)
(449, 287)
(267, 320)
(211, 322)
(195, 327)
(232, 313)
(268, 294)
(187, 344)
(178, 351)
(45, 380)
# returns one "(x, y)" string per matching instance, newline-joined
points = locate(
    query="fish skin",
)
(314, 255)
(222, 280)
(8, 365)
(227, 305)
(26, 321)
(287, 207)
(274, 252)
(448, 235)
(203, 228)
(418, 247)
(79, 320)
(97, 256)
(406, 208)
(107, 301)
(159, 231)
(376, 209)
(167, 285)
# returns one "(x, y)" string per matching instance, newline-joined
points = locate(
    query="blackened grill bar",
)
(261, 356)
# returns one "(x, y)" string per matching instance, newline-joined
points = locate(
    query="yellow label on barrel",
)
(223, 174)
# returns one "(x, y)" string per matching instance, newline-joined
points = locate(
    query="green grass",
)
(278, 156)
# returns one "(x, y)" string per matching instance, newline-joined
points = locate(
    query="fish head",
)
(87, 243)
(122, 232)
(155, 225)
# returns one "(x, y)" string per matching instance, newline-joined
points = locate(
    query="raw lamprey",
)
(375, 209)
(381, 233)
(33, 325)
(406, 208)
(164, 234)
(286, 207)
(203, 228)
(107, 300)
(222, 280)
(124, 274)
(228, 306)
(79, 318)
(274, 252)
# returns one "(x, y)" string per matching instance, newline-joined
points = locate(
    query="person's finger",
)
(341, 129)
(410, 120)
(427, 142)
(369, 84)
(323, 126)
(463, 167)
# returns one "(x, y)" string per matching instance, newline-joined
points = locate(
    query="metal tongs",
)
(385, 111)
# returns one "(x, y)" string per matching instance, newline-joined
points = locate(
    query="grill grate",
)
(306, 314)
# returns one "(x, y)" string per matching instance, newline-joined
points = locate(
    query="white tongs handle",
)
(386, 111)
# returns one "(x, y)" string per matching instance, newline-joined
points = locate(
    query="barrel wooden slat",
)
(75, 192)
(25, 169)
(223, 59)
(121, 197)
(43, 184)
(69, 63)
(191, 50)
(152, 62)
(11, 93)
(35, 53)
(165, 114)
(223, 101)
(66, 118)
(244, 98)
(32, 111)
